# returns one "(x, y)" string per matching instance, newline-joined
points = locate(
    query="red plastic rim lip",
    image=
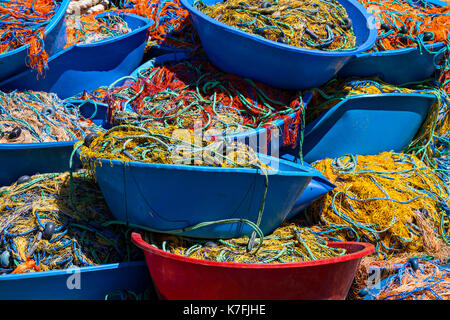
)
(367, 249)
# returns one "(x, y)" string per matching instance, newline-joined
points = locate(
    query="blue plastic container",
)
(18, 159)
(366, 125)
(88, 66)
(170, 197)
(396, 66)
(280, 65)
(317, 187)
(14, 61)
(95, 282)
(373, 292)
(256, 138)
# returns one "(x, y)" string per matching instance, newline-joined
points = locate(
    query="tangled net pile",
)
(194, 93)
(288, 243)
(322, 25)
(87, 6)
(391, 200)
(31, 116)
(163, 145)
(426, 281)
(404, 23)
(88, 28)
(23, 23)
(172, 26)
(54, 222)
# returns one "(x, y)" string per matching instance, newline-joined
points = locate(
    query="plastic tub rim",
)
(366, 45)
(313, 125)
(51, 273)
(366, 249)
(59, 14)
(305, 171)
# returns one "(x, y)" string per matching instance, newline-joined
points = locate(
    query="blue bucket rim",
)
(179, 56)
(60, 13)
(310, 128)
(430, 46)
(148, 23)
(43, 145)
(60, 272)
(367, 44)
(302, 171)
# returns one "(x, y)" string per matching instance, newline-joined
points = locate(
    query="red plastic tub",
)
(181, 278)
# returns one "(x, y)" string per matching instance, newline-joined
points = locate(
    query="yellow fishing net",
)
(391, 200)
(288, 243)
(166, 145)
(321, 25)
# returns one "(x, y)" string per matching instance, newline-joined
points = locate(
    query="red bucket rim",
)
(366, 249)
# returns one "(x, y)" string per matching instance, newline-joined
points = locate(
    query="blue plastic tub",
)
(18, 159)
(95, 282)
(277, 64)
(88, 66)
(365, 125)
(14, 61)
(173, 197)
(257, 138)
(317, 187)
(396, 66)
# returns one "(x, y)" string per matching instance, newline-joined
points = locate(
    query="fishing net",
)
(288, 243)
(407, 23)
(23, 23)
(31, 116)
(161, 144)
(322, 25)
(421, 280)
(89, 29)
(391, 200)
(172, 27)
(194, 94)
(54, 222)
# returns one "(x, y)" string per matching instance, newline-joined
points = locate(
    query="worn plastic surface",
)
(95, 282)
(14, 61)
(18, 159)
(142, 194)
(274, 63)
(175, 277)
(88, 66)
(317, 187)
(256, 138)
(365, 125)
(396, 66)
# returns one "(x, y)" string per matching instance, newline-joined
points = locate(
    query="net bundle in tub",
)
(223, 189)
(86, 62)
(30, 32)
(273, 42)
(55, 236)
(38, 131)
(412, 42)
